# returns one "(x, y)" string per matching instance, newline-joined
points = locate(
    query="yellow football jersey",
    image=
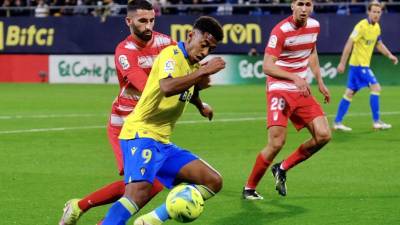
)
(364, 36)
(155, 115)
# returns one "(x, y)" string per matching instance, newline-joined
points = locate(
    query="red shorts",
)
(284, 105)
(113, 133)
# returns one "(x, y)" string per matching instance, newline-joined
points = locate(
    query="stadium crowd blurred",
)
(104, 8)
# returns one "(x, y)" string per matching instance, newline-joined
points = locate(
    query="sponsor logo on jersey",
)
(146, 61)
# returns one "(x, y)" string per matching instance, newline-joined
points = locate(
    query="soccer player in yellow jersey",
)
(175, 79)
(364, 38)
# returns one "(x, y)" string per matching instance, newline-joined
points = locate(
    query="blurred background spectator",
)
(105, 8)
(42, 9)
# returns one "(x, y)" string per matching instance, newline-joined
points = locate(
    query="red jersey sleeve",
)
(275, 42)
(126, 62)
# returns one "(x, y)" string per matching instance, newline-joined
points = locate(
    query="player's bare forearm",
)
(346, 51)
(386, 52)
(270, 69)
(314, 66)
(383, 49)
(196, 100)
(174, 86)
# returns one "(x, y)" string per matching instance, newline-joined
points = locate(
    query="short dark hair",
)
(210, 25)
(134, 5)
(374, 3)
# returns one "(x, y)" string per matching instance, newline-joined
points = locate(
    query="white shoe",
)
(71, 214)
(380, 125)
(341, 127)
(147, 219)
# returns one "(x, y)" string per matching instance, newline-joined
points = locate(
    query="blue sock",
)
(342, 110)
(374, 104)
(120, 212)
(162, 213)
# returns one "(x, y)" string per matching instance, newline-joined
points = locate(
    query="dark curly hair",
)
(210, 25)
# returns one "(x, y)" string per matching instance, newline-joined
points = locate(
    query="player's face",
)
(374, 14)
(141, 23)
(302, 9)
(200, 45)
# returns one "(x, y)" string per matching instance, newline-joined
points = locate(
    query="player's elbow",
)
(166, 89)
(268, 65)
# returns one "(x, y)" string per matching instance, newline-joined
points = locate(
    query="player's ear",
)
(128, 21)
(190, 36)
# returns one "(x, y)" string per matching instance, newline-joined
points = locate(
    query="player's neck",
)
(370, 21)
(298, 22)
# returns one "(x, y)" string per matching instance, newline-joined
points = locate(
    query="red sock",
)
(105, 195)
(260, 166)
(295, 158)
(111, 193)
(157, 187)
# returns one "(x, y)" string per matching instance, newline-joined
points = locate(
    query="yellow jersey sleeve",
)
(168, 63)
(358, 32)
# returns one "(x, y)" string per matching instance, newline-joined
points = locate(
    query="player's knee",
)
(138, 192)
(323, 137)
(214, 182)
(277, 144)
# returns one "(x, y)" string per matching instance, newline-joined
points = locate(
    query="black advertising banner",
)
(88, 35)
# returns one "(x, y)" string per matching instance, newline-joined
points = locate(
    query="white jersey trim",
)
(296, 54)
(292, 65)
(116, 120)
(312, 23)
(287, 27)
(301, 39)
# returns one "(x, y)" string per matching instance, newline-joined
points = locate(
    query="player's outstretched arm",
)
(173, 86)
(345, 55)
(386, 52)
(271, 69)
(316, 70)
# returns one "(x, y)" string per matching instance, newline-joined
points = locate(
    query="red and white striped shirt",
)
(133, 63)
(292, 46)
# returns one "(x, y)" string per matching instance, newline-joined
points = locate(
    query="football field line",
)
(49, 116)
(226, 120)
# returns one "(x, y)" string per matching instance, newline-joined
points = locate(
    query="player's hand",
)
(213, 66)
(394, 59)
(324, 90)
(302, 85)
(341, 68)
(207, 111)
(203, 83)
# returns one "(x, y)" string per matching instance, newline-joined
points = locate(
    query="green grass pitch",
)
(53, 147)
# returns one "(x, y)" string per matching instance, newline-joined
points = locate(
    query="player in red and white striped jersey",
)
(134, 58)
(291, 49)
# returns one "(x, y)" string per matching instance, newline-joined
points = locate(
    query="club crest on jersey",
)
(272, 41)
(169, 65)
(123, 61)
